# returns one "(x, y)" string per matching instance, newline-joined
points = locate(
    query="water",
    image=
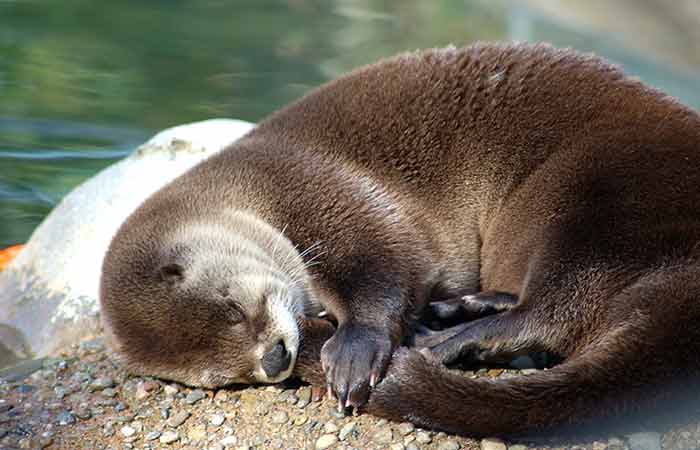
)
(83, 82)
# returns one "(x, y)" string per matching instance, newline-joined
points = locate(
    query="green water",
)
(83, 81)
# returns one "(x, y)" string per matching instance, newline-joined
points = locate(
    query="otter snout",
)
(276, 360)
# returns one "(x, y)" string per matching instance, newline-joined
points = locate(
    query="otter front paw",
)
(354, 360)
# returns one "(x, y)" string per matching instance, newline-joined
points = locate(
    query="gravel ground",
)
(82, 400)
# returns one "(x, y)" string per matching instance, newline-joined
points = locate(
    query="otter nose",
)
(276, 360)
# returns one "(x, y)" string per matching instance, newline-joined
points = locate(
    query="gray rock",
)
(127, 431)
(178, 419)
(65, 418)
(644, 441)
(168, 437)
(153, 435)
(195, 396)
(102, 383)
(347, 429)
(383, 435)
(493, 444)
(326, 441)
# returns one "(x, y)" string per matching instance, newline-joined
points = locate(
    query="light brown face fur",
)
(202, 303)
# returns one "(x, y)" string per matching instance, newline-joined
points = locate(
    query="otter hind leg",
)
(468, 307)
(497, 338)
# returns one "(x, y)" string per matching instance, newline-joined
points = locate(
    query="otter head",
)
(205, 303)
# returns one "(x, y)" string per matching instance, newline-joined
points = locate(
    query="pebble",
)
(300, 420)
(412, 446)
(217, 420)
(326, 441)
(644, 441)
(102, 383)
(109, 392)
(398, 446)
(449, 445)
(330, 427)
(493, 444)
(304, 395)
(168, 437)
(279, 417)
(83, 413)
(65, 418)
(127, 431)
(215, 447)
(178, 419)
(383, 436)
(197, 433)
(406, 428)
(229, 441)
(60, 392)
(423, 437)
(153, 435)
(347, 430)
(170, 390)
(195, 396)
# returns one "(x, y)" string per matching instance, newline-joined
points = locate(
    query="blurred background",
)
(82, 82)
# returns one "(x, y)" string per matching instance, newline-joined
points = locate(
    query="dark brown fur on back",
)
(514, 168)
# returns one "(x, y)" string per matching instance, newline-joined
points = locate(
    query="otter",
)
(543, 176)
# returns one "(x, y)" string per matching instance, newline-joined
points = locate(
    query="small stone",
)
(300, 420)
(423, 437)
(279, 417)
(215, 447)
(412, 446)
(449, 445)
(304, 395)
(398, 446)
(348, 429)
(406, 428)
(165, 413)
(644, 441)
(65, 418)
(60, 392)
(168, 437)
(170, 390)
(127, 431)
(330, 427)
(102, 383)
(326, 441)
(109, 392)
(337, 414)
(383, 436)
(517, 447)
(197, 433)
(493, 444)
(292, 399)
(195, 396)
(178, 419)
(83, 413)
(153, 435)
(119, 407)
(229, 441)
(217, 420)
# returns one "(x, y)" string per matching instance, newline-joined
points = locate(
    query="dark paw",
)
(354, 360)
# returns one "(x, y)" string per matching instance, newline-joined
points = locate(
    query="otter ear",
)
(172, 273)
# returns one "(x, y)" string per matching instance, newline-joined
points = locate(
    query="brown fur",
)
(512, 168)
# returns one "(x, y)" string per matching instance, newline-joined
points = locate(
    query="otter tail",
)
(610, 378)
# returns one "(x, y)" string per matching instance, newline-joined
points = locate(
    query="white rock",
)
(56, 276)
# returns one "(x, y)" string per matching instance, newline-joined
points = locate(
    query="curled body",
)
(522, 169)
